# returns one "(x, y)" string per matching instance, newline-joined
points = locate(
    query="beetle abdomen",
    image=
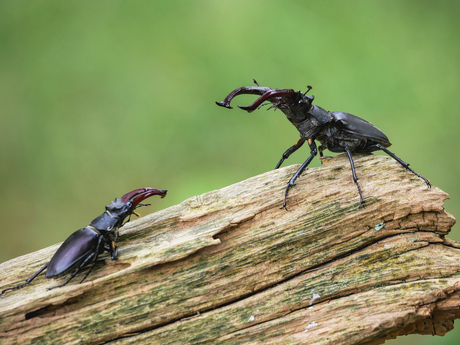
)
(360, 127)
(73, 252)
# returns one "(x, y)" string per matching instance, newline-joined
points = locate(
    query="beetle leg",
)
(290, 151)
(111, 245)
(115, 252)
(291, 183)
(71, 277)
(114, 255)
(28, 281)
(92, 266)
(140, 205)
(114, 247)
(83, 264)
(321, 149)
(404, 164)
(355, 178)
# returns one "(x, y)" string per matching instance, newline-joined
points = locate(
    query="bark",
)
(230, 266)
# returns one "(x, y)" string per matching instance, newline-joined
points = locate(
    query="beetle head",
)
(124, 207)
(119, 209)
(133, 199)
(295, 105)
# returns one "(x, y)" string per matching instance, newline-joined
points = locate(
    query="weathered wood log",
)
(231, 266)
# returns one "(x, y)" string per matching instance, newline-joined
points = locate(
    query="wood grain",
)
(230, 266)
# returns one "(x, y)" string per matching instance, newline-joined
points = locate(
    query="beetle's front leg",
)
(114, 251)
(114, 247)
(291, 183)
(290, 151)
(321, 148)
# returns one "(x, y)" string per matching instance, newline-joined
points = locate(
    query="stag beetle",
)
(84, 246)
(335, 130)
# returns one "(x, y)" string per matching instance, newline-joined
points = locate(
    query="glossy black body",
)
(85, 245)
(78, 247)
(336, 131)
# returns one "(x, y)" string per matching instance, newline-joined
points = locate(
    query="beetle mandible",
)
(335, 130)
(84, 246)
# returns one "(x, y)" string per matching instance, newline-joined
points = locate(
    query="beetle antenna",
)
(308, 89)
(263, 104)
(140, 205)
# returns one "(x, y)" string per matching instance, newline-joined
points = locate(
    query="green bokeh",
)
(102, 97)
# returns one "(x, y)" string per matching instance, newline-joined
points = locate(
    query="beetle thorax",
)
(293, 114)
(105, 222)
(308, 128)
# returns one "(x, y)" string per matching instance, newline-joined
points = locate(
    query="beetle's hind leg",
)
(83, 264)
(404, 164)
(75, 273)
(355, 178)
(96, 255)
(27, 282)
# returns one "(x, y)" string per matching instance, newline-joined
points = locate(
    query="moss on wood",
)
(231, 266)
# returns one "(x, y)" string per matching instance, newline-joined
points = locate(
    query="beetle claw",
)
(224, 104)
(142, 191)
(244, 90)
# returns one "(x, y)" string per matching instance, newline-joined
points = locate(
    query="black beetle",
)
(84, 246)
(335, 130)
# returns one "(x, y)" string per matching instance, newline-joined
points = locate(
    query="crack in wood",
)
(230, 266)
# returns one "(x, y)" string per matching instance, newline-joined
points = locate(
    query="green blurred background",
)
(98, 98)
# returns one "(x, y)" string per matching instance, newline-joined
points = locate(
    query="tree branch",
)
(230, 265)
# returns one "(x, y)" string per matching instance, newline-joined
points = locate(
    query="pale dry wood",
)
(230, 266)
